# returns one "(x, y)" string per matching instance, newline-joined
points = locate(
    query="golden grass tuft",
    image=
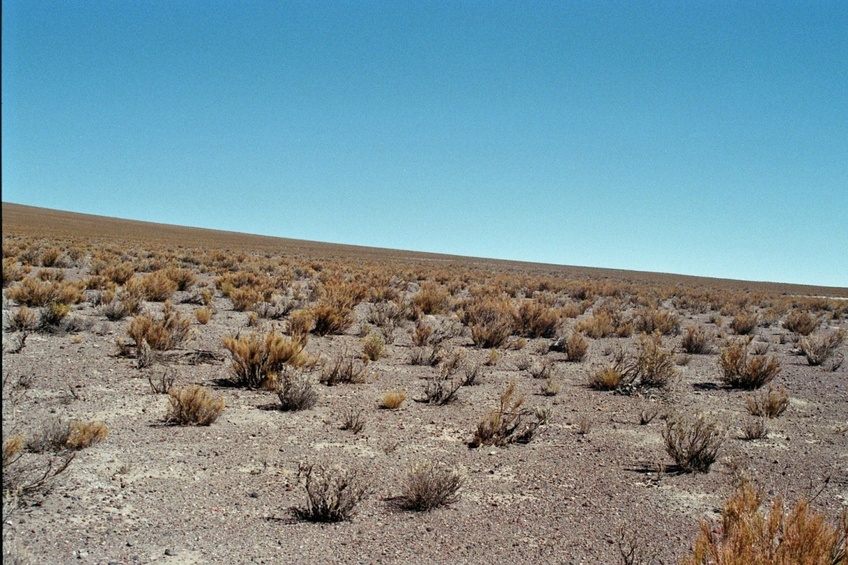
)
(747, 535)
(256, 359)
(86, 434)
(392, 400)
(742, 370)
(193, 406)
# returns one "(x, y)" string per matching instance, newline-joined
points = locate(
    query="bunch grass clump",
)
(160, 334)
(818, 348)
(769, 403)
(697, 341)
(193, 406)
(507, 423)
(747, 535)
(392, 400)
(295, 390)
(256, 360)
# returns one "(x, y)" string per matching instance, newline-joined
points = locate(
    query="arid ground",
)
(590, 479)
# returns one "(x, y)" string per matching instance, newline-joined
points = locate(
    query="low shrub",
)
(161, 334)
(769, 403)
(800, 322)
(344, 370)
(295, 390)
(193, 406)
(157, 286)
(429, 485)
(491, 321)
(697, 341)
(23, 320)
(373, 347)
(331, 319)
(653, 364)
(256, 359)
(203, 314)
(506, 424)
(533, 320)
(755, 428)
(692, 443)
(432, 299)
(353, 420)
(744, 322)
(747, 535)
(332, 493)
(649, 321)
(611, 375)
(392, 400)
(575, 347)
(742, 370)
(818, 348)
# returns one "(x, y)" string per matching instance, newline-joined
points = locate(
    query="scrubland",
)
(175, 395)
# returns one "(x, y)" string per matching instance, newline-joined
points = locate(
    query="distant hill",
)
(30, 221)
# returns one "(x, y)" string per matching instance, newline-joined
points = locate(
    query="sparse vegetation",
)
(507, 423)
(818, 348)
(160, 333)
(256, 360)
(769, 403)
(343, 369)
(295, 390)
(697, 341)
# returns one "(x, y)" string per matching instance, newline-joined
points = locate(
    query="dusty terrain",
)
(157, 493)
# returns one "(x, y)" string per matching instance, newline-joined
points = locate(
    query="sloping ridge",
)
(31, 221)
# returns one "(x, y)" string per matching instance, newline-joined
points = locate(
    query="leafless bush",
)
(344, 370)
(542, 369)
(744, 322)
(429, 485)
(653, 364)
(551, 387)
(332, 493)
(647, 412)
(800, 322)
(692, 443)
(295, 390)
(755, 428)
(353, 420)
(23, 320)
(164, 383)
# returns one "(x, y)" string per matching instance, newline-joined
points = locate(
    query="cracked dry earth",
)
(153, 493)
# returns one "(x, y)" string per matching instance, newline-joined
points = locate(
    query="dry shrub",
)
(161, 334)
(300, 323)
(551, 387)
(24, 319)
(575, 347)
(52, 257)
(611, 375)
(295, 391)
(697, 341)
(432, 299)
(353, 420)
(32, 292)
(332, 493)
(747, 535)
(649, 320)
(120, 273)
(429, 485)
(800, 322)
(52, 316)
(535, 320)
(13, 271)
(422, 333)
(193, 406)
(490, 320)
(344, 369)
(817, 348)
(506, 423)
(742, 370)
(85, 434)
(692, 443)
(754, 428)
(57, 434)
(653, 364)
(769, 403)
(331, 319)
(183, 278)
(245, 299)
(157, 286)
(373, 347)
(256, 360)
(392, 400)
(203, 314)
(605, 321)
(744, 322)
(441, 388)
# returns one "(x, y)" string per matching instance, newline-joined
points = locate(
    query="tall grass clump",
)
(256, 359)
(193, 406)
(747, 535)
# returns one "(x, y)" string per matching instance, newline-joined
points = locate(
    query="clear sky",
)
(704, 138)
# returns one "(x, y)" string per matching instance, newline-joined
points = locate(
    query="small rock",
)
(170, 551)
(130, 543)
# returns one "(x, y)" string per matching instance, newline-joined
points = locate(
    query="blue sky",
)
(704, 138)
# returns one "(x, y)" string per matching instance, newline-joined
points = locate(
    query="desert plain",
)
(97, 468)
